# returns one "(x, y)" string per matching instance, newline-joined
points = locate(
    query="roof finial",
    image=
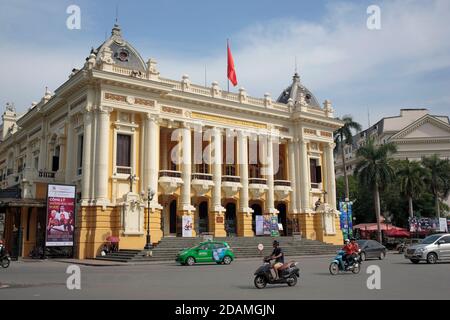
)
(117, 13)
(295, 65)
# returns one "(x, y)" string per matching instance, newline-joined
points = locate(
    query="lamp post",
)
(150, 195)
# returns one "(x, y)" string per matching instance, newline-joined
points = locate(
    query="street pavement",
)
(400, 279)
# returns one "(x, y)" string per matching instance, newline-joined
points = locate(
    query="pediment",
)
(427, 127)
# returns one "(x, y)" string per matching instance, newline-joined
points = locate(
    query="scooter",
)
(288, 273)
(338, 264)
(5, 259)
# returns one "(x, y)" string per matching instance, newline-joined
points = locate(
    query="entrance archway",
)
(173, 217)
(282, 217)
(203, 217)
(257, 211)
(230, 219)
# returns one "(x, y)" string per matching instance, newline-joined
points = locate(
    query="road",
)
(400, 279)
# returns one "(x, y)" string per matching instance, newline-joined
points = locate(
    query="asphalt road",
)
(400, 279)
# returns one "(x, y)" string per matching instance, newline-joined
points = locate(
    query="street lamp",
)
(150, 195)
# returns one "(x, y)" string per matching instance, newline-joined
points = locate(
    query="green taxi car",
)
(210, 251)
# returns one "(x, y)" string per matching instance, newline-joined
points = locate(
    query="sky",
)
(366, 73)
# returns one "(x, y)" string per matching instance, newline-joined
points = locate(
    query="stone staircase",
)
(243, 247)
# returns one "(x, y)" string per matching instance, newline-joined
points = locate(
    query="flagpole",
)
(228, 80)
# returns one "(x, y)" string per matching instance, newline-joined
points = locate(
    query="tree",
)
(412, 181)
(342, 137)
(376, 171)
(438, 178)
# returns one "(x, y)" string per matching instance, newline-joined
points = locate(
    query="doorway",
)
(282, 218)
(230, 219)
(257, 211)
(173, 217)
(203, 217)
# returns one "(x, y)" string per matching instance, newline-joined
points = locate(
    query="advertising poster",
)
(267, 225)
(274, 227)
(346, 219)
(259, 220)
(418, 224)
(443, 225)
(60, 215)
(448, 225)
(187, 226)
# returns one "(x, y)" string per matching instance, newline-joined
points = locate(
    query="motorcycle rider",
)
(278, 255)
(351, 248)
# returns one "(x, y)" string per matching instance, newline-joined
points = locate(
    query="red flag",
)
(231, 72)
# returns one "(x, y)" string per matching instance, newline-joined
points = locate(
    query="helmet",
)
(276, 243)
(346, 241)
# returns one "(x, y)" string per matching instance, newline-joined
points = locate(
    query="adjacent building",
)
(116, 128)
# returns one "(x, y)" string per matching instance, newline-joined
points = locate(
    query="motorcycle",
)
(338, 263)
(288, 273)
(5, 259)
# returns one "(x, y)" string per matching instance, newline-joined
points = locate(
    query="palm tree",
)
(439, 178)
(342, 137)
(376, 171)
(412, 181)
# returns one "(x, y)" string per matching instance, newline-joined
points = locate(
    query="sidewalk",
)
(103, 263)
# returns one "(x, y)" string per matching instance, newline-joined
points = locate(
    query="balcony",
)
(257, 187)
(202, 183)
(316, 186)
(282, 188)
(231, 185)
(170, 181)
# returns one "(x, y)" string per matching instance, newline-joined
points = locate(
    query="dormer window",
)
(122, 55)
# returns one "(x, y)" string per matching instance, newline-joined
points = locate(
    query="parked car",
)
(371, 249)
(209, 251)
(432, 249)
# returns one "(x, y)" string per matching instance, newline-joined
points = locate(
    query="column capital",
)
(104, 110)
(152, 117)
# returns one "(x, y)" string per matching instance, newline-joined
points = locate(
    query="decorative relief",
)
(115, 97)
(326, 134)
(144, 102)
(124, 117)
(282, 129)
(235, 122)
(310, 131)
(171, 110)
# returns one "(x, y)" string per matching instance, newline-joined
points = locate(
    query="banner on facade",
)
(187, 226)
(346, 216)
(60, 215)
(266, 225)
(259, 221)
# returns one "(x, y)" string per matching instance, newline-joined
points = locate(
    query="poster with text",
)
(187, 226)
(60, 215)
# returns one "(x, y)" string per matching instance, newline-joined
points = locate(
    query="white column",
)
(243, 171)
(304, 174)
(152, 144)
(270, 205)
(217, 171)
(42, 153)
(102, 156)
(86, 161)
(186, 170)
(292, 176)
(70, 152)
(331, 182)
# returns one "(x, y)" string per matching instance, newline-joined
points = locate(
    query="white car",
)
(432, 249)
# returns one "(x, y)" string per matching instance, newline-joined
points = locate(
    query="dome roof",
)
(123, 53)
(295, 90)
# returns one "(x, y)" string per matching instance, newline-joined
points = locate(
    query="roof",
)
(123, 53)
(294, 92)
